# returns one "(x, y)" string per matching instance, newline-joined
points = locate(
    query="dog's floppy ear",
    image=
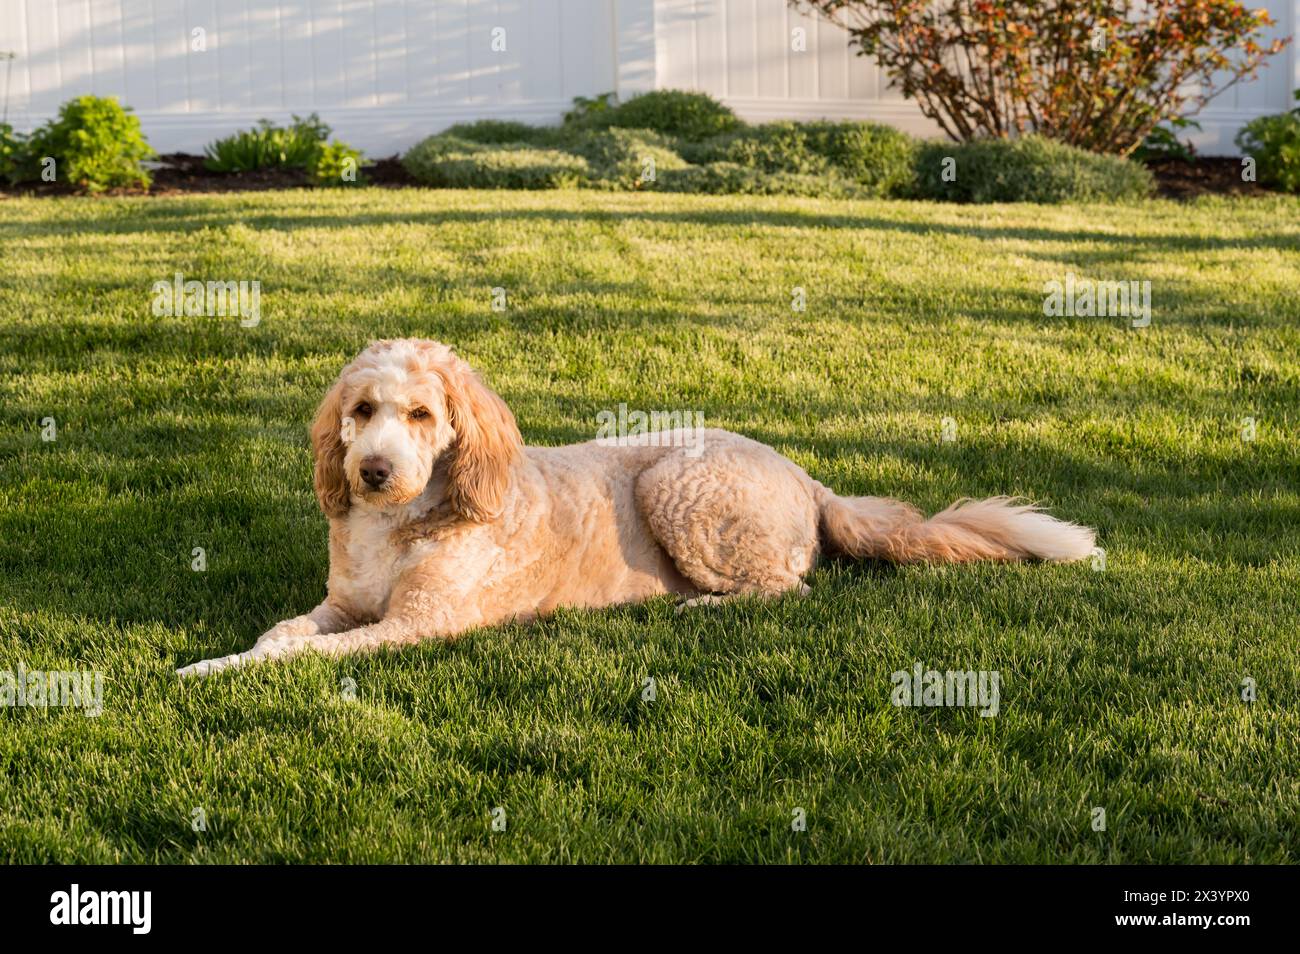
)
(487, 443)
(328, 448)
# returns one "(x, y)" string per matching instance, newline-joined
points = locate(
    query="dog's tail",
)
(998, 528)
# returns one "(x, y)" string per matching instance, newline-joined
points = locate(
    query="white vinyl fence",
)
(385, 73)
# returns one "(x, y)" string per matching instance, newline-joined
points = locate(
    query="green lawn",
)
(1120, 688)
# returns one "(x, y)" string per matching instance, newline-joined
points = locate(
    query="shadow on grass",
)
(190, 216)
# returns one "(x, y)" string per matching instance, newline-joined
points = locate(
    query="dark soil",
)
(389, 172)
(1203, 175)
(185, 173)
(181, 173)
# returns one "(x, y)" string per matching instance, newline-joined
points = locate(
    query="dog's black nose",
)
(375, 470)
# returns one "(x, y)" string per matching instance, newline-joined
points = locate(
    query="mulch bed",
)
(1204, 175)
(181, 173)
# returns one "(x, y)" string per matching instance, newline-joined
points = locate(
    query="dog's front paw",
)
(279, 646)
(208, 666)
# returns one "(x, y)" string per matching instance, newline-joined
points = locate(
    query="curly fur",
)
(472, 529)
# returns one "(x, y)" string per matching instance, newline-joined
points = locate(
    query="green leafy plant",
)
(268, 146)
(335, 164)
(1274, 143)
(451, 162)
(588, 109)
(1100, 74)
(1029, 169)
(96, 144)
(1163, 142)
(13, 153)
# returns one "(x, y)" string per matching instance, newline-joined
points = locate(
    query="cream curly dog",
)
(441, 520)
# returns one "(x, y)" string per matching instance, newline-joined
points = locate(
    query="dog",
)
(441, 520)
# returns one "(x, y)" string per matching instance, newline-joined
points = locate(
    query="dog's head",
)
(394, 413)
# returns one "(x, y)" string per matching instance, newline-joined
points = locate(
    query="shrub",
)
(730, 178)
(819, 159)
(450, 162)
(1092, 73)
(773, 147)
(878, 158)
(1274, 143)
(267, 146)
(671, 112)
(497, 131)
(13, 153)
(622, 157)
(335, 164)
(96, 144)
(1030, 169)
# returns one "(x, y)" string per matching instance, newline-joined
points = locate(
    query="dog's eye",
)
(363, 409)
(419, 414)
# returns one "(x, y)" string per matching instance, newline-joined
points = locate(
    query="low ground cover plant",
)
(452, 162)
(687, 142)
(626, 158)
(1030, 169)
(874, 158)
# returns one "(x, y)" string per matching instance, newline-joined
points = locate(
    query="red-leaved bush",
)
(1100, 74)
